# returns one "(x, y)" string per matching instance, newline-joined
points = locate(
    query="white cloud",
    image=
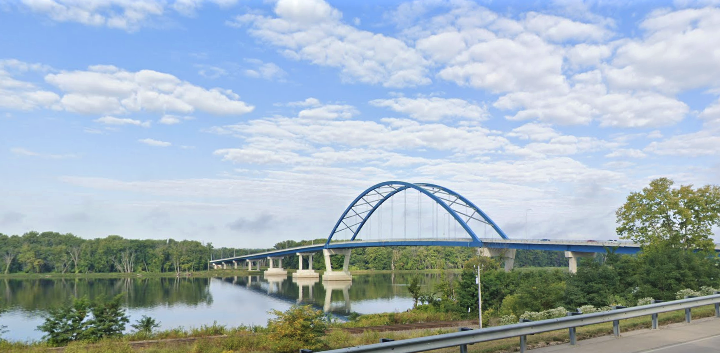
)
(434, 108)
(24, 152)
(678, 52)
(268, 71)
(173, 119)
(21, 95)
(309, 102)
(701, 143)
(588, 99)
(211, 72)
(329, 111)
(155, 143)
(127, 15)
(109, 90)
(111, 120)
(560, 29)
(312, 30)
(534, 132)
(626, 153)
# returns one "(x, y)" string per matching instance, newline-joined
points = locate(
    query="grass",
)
(220, 339)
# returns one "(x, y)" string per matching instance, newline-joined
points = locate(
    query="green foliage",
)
(74, 322)
(662, 271)
(414, 289)
(663, 216)
(593, 284)
(146, 325)
(297, 328)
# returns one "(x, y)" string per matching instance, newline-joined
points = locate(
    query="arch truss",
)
(362, 208)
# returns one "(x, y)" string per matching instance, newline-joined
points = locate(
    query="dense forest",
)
(52, 252)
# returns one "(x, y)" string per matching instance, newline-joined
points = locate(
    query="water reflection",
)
(192, 302)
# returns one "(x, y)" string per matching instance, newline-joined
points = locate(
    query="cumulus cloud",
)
(313, 31)
(434, 108)
(128, 15)
(626, 153)
(22, 95)
(677, 52)
(110, 90)
(173, 119)
(111, 120)
(267, 71)
(155, 143)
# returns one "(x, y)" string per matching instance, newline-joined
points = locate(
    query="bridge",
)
(354, 229)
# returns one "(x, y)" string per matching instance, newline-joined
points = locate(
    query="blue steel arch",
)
(429, 190)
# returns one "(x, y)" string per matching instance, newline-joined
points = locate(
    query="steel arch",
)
(389, 188)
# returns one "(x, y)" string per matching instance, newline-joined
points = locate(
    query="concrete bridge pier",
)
(275, 271)
(235, 264)
(344, 286)
(224, 266)
(309, 273)
(572, 256)
(507, 255)
(253, 263)
(331, 275)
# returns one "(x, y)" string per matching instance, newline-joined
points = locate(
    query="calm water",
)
(192, 302)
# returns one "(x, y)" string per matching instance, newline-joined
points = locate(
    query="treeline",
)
(52, 252)
(46, 252)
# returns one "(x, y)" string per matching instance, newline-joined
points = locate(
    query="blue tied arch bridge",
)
(458, 208)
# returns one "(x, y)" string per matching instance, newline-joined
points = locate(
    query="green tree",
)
(297, 328)
(68, 323)
(109, 319)
(681, 217)
(146, 324)
(414, 289)
(593, 284)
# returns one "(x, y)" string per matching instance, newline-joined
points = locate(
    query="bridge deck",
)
(621, 247)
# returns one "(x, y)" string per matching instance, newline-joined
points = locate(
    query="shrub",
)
(297, 328)
(544, 315)
(645, 301)
(508, 319)
(73, 322)
(146, 325)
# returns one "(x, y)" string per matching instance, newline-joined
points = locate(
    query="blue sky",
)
(244, 123)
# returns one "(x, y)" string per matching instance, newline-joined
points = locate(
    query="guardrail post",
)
(523, 339)
(616, 323)
(717, 307)
(463, 347)
(688, 311)
(571, 330)
(655, 316)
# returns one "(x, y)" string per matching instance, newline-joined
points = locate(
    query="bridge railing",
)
(571, 322)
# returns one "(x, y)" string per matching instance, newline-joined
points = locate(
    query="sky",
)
(244, 123)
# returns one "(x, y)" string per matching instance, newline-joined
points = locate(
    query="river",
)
(192, 302)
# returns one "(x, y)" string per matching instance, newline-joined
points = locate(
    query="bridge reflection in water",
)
(300, 291)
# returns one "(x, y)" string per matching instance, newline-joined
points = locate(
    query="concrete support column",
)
(301, 273)
(331, 275)
(310, 263)
(507, 255)
(275, 271)
(235, 264)
(224, 265)
(573, 256)
(250, 265)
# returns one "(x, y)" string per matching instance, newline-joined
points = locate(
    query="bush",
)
(508, 319)
(645, 301)
(297, 328)
(544, 315)
(146, 325)
(73, 322)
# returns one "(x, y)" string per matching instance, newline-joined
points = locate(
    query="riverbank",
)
(218, 339)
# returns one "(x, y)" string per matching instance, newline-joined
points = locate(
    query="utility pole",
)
(479, 296)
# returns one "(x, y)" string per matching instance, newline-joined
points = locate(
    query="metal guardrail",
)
(571, 322)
